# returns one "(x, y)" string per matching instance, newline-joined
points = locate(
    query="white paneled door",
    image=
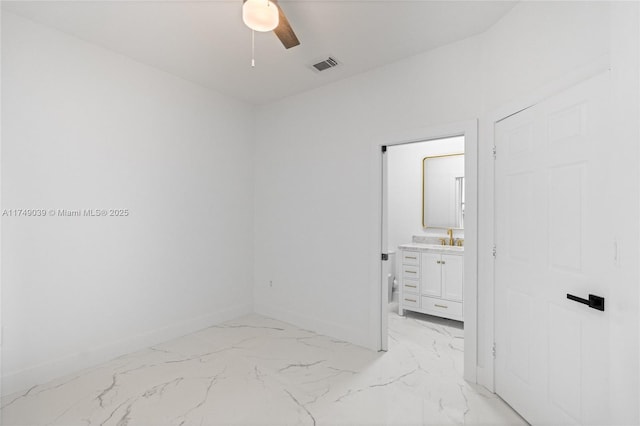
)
(551, 360)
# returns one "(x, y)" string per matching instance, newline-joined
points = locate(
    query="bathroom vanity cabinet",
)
(431, 280)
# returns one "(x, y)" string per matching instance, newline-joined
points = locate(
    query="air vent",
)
(326, 64)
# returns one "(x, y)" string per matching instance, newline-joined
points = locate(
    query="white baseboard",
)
(42, 373)
(337, 331)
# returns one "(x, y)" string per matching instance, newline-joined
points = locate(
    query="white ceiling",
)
(207, 43)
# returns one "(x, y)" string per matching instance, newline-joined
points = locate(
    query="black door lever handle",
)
(595, 302)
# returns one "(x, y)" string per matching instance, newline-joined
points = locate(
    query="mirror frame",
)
(424, 225)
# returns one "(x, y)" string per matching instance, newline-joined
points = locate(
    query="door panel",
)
(452, 276)
(567, 125)
(518, 340)
(519, 216)
(550, 180)
(519, 140)
(565, 361)
(430, 282)
(566, 195)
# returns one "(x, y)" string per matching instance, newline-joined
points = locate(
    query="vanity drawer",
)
(411, 286)
(410, 301)
(442, 307)
(410, 257)
(411, 272)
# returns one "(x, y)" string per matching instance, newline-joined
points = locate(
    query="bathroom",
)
(425, 208)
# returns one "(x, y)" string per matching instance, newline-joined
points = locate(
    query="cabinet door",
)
(452, 276)
(430, 280)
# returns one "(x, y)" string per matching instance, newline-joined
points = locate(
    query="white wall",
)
(538, 42)
(86, 128)
(404, 179)
(315, 192)
(316, 182)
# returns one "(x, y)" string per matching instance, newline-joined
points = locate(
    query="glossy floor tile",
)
(259, 371)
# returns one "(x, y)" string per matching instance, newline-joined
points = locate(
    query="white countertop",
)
(431, 247)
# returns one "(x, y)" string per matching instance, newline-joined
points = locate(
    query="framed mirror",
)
(443, 192)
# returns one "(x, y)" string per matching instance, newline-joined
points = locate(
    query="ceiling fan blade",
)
(284, 31)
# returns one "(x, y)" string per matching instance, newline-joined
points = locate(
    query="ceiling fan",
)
(267, 15)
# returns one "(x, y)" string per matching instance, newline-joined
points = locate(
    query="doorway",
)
(426, 201)
(462, 204)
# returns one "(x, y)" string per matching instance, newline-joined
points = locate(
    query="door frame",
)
(486, 275)
(379, 306)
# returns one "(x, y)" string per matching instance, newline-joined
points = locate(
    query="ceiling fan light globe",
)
(260, 15)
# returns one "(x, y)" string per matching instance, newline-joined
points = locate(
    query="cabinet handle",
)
(412, 286)
(443, 262)
(410, 272)
(411, 300)
(409, 257)
(441, 306)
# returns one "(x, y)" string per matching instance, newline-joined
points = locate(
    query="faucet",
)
(450, 234)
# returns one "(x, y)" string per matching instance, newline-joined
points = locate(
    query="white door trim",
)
(378, 308)
(486, 277)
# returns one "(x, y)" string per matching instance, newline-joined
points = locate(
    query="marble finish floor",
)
(259, 371)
